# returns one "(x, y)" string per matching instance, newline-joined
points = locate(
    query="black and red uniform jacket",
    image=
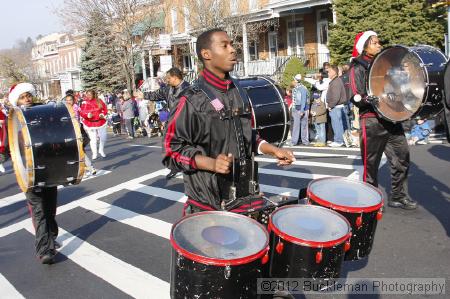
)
(195, 127)
(358, 78)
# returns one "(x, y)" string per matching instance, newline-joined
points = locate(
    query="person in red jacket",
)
(93, 112)
(2, 139)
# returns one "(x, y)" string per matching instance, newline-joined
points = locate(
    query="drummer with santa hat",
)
(42, 201)
(378, 135)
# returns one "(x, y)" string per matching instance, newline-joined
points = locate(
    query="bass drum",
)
(270, 113)
(447, 99)
(408, 82)
(46, 146)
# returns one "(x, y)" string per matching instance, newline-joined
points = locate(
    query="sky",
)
(27, 18)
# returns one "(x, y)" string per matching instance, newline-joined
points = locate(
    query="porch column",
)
(245, 48)
(334, 15)
(144, 71)
(150, 60)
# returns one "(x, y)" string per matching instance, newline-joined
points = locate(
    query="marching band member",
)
(377, 134)
(42, 201)
(210, 137)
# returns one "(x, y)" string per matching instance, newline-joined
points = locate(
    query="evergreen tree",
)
(406, 22)
(100, 68)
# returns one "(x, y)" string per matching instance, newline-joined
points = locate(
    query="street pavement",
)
(115, 226)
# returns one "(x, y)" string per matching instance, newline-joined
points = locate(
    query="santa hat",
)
(16, 90)
(360, 40)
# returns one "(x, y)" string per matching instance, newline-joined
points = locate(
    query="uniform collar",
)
(216, 82)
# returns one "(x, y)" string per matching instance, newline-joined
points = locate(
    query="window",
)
(323, 32)
(187, 62)
(252, 4)
(253, 50)
(296, 38)
(174, 20)
(273, 44)
(234, 7)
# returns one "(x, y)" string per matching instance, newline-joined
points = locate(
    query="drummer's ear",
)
(206, 54)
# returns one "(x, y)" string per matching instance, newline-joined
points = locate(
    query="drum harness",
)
(234, 115)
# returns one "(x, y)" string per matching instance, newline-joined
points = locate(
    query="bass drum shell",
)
(447, 99)
(46, 146)
(408, 82)
(270, 113)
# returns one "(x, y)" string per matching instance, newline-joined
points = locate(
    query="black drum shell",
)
(269, 108)
(191, 279)
(363, 236)
(299, 261)
(58, 144)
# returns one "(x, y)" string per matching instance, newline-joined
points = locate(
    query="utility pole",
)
(446, 3)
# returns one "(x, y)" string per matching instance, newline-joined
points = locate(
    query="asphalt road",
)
(114, 227)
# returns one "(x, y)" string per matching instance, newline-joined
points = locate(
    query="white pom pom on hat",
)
(298, 77)
(16, 90)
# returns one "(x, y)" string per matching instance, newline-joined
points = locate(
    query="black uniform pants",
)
(378, 136)
(42, 205)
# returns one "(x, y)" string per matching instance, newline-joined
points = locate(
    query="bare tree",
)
(131, 23)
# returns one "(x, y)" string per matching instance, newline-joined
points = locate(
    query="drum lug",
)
(280, 246)
(265, 258)
(39, 167)
(64, 118)
(69, 179)
(359, 221)
(379, 215)
(426, 64)
(227, 272)
(37, 144)
(40, 184)
(66, 140)
(34, 122)
(347, 246)
(73, 162)
(319, 256)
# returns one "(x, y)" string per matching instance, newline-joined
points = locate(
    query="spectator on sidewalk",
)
(319, 118)
(336, 101)
(128, 113)
(300, 113)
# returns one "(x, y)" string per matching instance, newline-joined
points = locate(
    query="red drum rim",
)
(309, 243)
(215, 261)
(342, 208)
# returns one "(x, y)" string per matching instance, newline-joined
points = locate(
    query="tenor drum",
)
(359, 202)
(46, 146)
(217, 254)
(270, 113)
(307, 242)
(408, 82)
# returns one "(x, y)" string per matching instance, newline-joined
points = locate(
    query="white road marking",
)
(310, 163)
(127, 278)
(8, 290)
(21, 196)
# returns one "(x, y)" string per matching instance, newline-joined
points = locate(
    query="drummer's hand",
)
(89, 115)
(284, 156)
(223, 163)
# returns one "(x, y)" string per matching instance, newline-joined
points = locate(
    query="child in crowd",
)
(420, 132)
(114, 121)
(319, 118)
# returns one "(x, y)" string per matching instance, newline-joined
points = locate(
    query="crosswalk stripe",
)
(158, 192)
(293, 174)
(127, 278)
(21, 196)
(21, 224)
(310, 163)
(326, 148)
(142, 222)
(328, 155)
(8, 290)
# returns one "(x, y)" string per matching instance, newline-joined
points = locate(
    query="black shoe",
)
(405, 203)
(171, 174)
(57, 245)
(47, 259)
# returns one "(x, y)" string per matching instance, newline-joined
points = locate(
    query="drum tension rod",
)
(74, 162)
(34, 122)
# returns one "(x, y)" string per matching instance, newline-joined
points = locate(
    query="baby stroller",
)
(155, 125)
